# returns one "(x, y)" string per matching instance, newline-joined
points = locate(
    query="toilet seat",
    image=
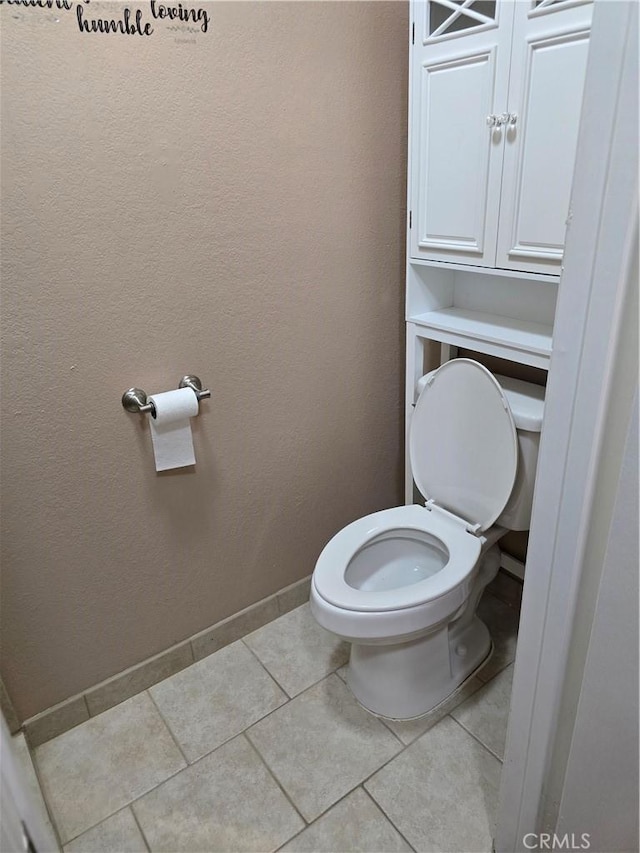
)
(461, 546)
(464, 457)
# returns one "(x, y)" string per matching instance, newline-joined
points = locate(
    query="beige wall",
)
(232, 207)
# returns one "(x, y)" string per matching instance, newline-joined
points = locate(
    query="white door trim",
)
(23, 825)
(592, 293)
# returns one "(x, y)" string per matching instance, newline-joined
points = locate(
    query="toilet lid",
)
(463, 443)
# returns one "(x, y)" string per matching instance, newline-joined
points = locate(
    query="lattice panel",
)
(542, 7)
(451, 16)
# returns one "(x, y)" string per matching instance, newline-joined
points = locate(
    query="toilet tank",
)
(526, 402)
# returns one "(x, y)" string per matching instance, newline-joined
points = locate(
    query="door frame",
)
(595, 283)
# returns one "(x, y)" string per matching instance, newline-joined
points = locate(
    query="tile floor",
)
(261, 747)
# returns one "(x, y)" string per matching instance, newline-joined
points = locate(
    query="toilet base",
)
(408, 680)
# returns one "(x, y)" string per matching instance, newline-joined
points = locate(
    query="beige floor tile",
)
(502, 622)
(117, 834)
(486, 713)
(100, 766)
(355, 824)
(297, 651)
(442, 792)
(225, 802)
(322, 744)
(409, 730)
(216, 698)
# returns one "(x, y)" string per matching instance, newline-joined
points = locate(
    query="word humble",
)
(132, 24)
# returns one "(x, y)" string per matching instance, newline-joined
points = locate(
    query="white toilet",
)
(402, 585)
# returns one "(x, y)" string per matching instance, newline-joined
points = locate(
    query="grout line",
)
(168, 727)
(292, 699)
(137, 822)
(377, 805)
(334, 805)
(108, 817)
(128, 804)
(277, 781)
(476, 738)
(387, 727)
(264, 667)
(405, 747)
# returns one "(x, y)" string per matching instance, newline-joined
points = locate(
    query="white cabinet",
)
(496, 92)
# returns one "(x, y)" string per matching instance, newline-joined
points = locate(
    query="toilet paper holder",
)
(135, 399)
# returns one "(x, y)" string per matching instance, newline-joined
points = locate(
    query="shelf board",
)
(505, 337)
(552, 278)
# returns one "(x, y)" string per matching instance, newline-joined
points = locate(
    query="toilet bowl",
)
(402, 585)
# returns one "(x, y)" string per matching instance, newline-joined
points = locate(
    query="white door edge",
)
(600, 242)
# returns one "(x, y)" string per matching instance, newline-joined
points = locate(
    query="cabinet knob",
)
(498, 121)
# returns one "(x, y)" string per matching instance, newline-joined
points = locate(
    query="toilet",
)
(402, 585)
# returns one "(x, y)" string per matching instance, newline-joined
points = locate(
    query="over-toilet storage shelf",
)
(504, 316)
(495, 91)
(449, 265)
(504, 337)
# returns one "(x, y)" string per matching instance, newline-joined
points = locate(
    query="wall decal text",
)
(41, 4)
(131, 22)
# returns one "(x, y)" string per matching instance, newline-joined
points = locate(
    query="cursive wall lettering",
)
(109, 25)
(130, 23)
(41, 4)
(181, 13)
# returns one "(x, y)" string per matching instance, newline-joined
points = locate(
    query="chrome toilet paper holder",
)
(135, 399)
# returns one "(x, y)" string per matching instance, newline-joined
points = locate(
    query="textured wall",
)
(231, 204)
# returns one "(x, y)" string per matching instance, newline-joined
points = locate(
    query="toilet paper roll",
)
(171, 429)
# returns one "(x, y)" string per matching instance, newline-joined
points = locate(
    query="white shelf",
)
(504, 337)
(446, 265)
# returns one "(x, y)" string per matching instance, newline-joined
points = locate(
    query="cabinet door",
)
(548, 65)
(459, 77)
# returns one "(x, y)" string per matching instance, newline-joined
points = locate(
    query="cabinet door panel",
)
(458, 76)
(546, 85)
(454, 156)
